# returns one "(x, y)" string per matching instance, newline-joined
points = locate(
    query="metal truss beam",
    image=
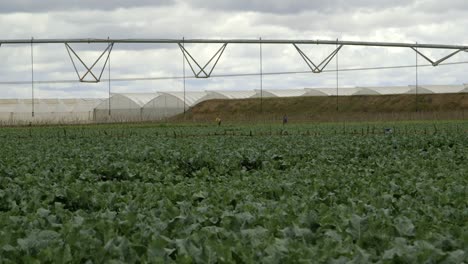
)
(320, 67)
(437, 62)
(239, 41)
(89, 70)
(205, 71)
(202, 72)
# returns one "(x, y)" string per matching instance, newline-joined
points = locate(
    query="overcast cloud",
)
(423, 21)
(31, 6)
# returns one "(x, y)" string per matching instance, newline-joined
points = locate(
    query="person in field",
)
(218, 120)
(285, 119)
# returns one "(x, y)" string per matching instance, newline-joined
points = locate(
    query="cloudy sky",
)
(422, 21)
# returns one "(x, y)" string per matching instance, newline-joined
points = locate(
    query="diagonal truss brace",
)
(320, 67)
(89, 70)
(202, 72)
(435, 63)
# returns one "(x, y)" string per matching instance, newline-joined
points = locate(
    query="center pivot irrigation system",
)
(205, 70)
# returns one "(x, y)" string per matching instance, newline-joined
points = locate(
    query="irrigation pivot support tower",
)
(205, 70)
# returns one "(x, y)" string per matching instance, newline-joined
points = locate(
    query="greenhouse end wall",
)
(136, 107)
(47, 111)
(12, 118)
(118, 115)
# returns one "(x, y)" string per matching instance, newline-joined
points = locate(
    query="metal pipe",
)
(183, 72)
(109, 85)
(261, 77)
(237, 41)
(417, 79)
(32, 77)
(337, 78)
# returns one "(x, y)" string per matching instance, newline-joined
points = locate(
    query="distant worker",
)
(285, 120)
(218, 120)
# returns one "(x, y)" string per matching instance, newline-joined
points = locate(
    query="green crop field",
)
(320, 193)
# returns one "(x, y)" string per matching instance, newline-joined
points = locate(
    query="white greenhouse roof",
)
(346, 91)
(124, 100)
(61, 107)
(280, 93)
(8, 105)
(341, 91)
(420, 90)
(138, 98)
(48, 105)
(191, 98)
(231, 94)
(314, 92)
(325, 91)
(47, 110)
(366, 91)
(387, 90)
(464, 90)
(443, 88)
(332, 91)
(86, 105)
(22, 108)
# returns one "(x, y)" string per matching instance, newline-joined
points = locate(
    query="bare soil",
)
(350, 108)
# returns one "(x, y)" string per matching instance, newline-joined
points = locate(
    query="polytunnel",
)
(7, 108)
(50, 111)
(82, 109)
(347, 91)
(78, 110)
(84, 105)
(341, 91)
(47, 111)
(314, 92)
(228, 94)
(22, 112)
(278, 93)
(465, 89)
(332, 91)
(389, 90)
(442, 89)
(123, 107)
(168, 104)
(420, 90)
(365, 91)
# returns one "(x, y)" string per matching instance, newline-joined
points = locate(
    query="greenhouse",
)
(420, 90)
(279, 93)
(168, 104)
(228, 94)
(123, 107)
(314, 92)
(20, 111)
(439, 89)
(366, 91)
(388, 90)
(465, 90)
(332, 91)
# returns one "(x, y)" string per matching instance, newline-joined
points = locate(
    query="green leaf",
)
(38, 240)
(404, 226)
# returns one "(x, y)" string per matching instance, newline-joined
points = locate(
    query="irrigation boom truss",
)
(236, 41)
(205, 70)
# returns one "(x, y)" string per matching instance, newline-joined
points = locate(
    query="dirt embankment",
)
(349, 108)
